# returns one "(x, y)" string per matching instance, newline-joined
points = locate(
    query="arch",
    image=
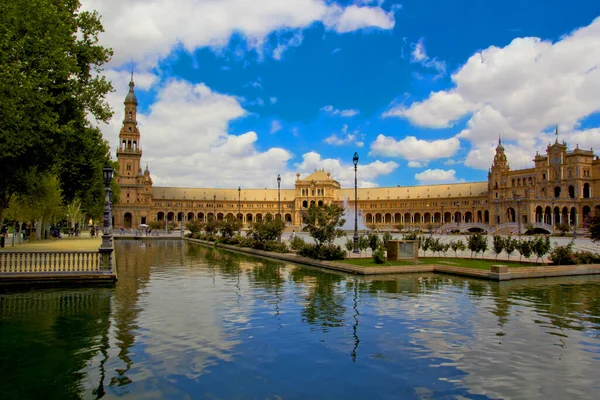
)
(486, 217)
(249, 218)
(468, 217)
(586, 211)
(127, 220)
(220, 217)
(479, 216)
(239, 216)
(259, 217)
(210, 216)
(557, 192)
(160, 216)
(397, 218)
(586, 191)
(320, 203)
(305, 204)
(201, 216)
(511, 215)
(170, 216)
(572, 191)
(417, 218)
(539, 214)
(407, 218)
(427, 217)
(457, 217)
(447, 217)
(377, 218)
(180, 216)
(312, 203)
(369, 218)
(288, 218)
(573, 216)
(388, 218)
(437, 217)
(190, 216)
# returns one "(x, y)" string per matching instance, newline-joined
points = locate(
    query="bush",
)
(498, 244)
(379, 256)
(541, 246)
(323, 252)
(477, 243)
(374, 241)
(275, 246)
(297, 243)
(456, 245)
(563, 255)
(386, 238)
(510, 245)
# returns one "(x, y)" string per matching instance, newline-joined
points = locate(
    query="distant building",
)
(567, 182)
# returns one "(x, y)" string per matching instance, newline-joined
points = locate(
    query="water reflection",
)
(192, 321)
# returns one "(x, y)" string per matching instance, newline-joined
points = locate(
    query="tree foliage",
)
(592, 222)
(50, 82)
(324, 223)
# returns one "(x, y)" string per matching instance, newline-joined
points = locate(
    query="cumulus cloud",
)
(345, 138)
(416, 164)
(329, 109)
(344, 173)
(413, 149)
(520, 90)
(436, 176)
(283, 44)
(153, 28)
(197, 150)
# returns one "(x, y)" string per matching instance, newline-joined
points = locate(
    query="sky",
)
(234, 92)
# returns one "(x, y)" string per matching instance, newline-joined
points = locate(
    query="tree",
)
(50, 82)
(230, 226)
(497, 244)
(266, 230)
(593, 225)
(510, 245)
(324, 223)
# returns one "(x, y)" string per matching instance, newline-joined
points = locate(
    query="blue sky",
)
(234, 92)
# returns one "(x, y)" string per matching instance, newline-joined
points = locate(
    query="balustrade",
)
(52, 262)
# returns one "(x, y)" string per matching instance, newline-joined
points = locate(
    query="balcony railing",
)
(50, 262)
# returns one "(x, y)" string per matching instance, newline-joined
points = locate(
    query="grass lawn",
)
(456, 262)
(81, 243)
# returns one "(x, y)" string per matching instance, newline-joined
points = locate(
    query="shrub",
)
(477, 243)
(275, 246)
(363, 243)
(350, 245)
(456, 245)
(410, 235)
(510, 245)
(525, 248)
(379, 255)
(541, 246)
(374, 241)
(563, 255)
(386, 238)
(297, 243)
(323, 252)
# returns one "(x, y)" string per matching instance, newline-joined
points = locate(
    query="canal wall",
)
(501, 274)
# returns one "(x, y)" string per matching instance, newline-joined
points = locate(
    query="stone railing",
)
(50, 262)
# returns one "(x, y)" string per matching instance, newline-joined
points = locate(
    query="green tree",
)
(50, 82)
(498, 244)
(266, 230)
(592, 222)
(324, 223)
(230, 226)
(510, 245)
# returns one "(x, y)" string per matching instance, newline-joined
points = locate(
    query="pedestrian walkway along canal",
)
(187, 321)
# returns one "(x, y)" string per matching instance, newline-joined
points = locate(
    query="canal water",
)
(191, 322)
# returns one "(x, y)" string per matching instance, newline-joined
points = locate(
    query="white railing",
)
(52, 262)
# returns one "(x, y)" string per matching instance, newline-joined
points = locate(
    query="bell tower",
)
(135, 185)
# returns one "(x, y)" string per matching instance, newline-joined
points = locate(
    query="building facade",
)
(562, 187)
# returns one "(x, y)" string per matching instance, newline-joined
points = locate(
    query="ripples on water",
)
(196, 322)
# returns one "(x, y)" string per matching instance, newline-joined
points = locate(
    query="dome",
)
(130, 98)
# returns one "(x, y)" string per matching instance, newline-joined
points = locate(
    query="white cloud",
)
(197, 151)
(415, 149)
(416, 164)
(436, 176)
(440, 110)
(273, 100)
(145, 31)
(342, 113)
(419, 56)
(520, 90)
(344, 173)
(284, 44)
(345, 138)
(275, 126)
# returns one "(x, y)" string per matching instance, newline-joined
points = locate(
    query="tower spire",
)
(556, 133)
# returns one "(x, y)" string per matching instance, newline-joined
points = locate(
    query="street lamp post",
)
(279, 195)
(182, 219)
(575, 218)
(215, 207)
(355, 238)
(106, 248)
(239, 202)
(442, 219)
(552, 214)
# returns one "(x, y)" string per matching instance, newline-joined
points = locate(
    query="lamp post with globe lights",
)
(355, 238)
(106, 248)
